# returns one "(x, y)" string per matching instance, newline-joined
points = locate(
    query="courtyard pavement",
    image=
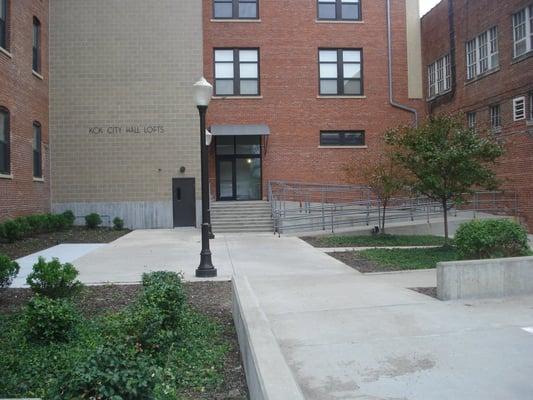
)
(346, 335)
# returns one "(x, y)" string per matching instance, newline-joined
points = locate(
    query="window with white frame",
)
(523, 31)
(495, 117)
(482, 53)
(519, 108)
(471, 118)
(439, 76)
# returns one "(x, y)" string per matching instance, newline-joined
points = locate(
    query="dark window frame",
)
(340, 72)
(4, 26)
(342, 138)
(37, 150)
(338, 12)
(7, 148)
(36, 45)
(236, 72)
(530, 106)
(235, 9)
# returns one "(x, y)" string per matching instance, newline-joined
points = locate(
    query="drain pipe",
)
(389, 48)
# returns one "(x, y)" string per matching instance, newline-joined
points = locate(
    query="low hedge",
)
(23, 227)
(491, 238)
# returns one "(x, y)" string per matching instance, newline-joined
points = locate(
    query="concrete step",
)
(239, 216)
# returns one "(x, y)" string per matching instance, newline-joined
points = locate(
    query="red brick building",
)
(24, 160)
(302, 87)
(478, 58)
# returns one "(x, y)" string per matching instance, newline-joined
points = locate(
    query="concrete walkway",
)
(340, 334)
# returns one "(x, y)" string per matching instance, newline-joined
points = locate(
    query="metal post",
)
(206, 268)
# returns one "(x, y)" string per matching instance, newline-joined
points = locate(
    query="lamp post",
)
(203, 91)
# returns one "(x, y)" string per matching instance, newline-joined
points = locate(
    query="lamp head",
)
(202, 92)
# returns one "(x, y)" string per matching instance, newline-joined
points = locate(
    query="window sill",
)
(481, 76)
(237, 97)
(496, 130)
(338, 21)
(523, 57)
(529, 122)
(234, 20)
(340, 97)
(37, 75)
(438, 95)
(5, 52)
(38, 179)
(6, 176)
(343, 147)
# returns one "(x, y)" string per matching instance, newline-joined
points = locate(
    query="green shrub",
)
(118, 223)
(8, 270)
(491, 238)
(163, 291)
(12, 231)
(49, 320)
(56, 222)
(38, 223)
(24, 226)
(92, 220)
(54, 279)
(69, 217)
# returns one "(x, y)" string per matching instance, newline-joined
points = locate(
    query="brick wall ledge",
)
(234, 20)
(6, 176)
(7, 53)
(38, 179)
(37, 75)
(341, 97)
(333, 21)
(343, 147)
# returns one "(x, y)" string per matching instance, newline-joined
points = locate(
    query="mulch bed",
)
(361, 264)
(209, 298)
(76, 234)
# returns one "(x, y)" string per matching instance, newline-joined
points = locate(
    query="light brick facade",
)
(511, 79)
(25, 96)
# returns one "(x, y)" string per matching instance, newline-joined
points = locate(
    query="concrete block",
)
(477, 279)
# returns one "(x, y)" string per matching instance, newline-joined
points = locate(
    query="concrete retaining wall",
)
(267, 373)
(477, 279)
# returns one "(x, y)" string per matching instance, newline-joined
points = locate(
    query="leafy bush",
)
(118, 223)
(69, 217)
(8, 270)
(163, 291)
(21, 227)
(491, 238)
(92, 220)
(54, 279)
(12, 231)
(49, 320)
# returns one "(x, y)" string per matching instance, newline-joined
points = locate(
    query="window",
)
(36, 45)
(482, 53)
(236, 72)
(3, 24)
(5, 166)
(471, 118)
(523, 31)
(238, 145)
(235, 9)
(439, 77)
(349, 10)
(495, 118)
(519, 108)
(37, 151)
(342, 138)
(340, 72)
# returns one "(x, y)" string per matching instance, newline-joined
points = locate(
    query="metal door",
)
(184, 202)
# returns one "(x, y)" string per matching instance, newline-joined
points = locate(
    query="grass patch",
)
(404, 259)
(377, 240)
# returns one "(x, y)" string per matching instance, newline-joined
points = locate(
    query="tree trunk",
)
(383, 218)
(445, 209)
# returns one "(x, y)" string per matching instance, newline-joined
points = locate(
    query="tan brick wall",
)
(26, 98)
(123, 63)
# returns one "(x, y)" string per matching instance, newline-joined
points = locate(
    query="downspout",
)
(389, 48)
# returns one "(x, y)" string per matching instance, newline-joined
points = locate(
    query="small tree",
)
(385, 178)
(446, 159)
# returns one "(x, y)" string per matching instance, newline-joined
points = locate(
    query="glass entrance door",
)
(238, 167)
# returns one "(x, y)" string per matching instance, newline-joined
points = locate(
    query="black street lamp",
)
(203, 91)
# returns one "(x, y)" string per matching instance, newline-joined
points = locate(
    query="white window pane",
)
(351, 55)
(249, 87)
(326, 1)
(350, 11)
(352, 70)
(350, 1)
(248, 71)
(326, 11)
(328, 55)
(223, 70)
(224, 87)
(328, 70)
(248, 55)
(223, 55)
(328, 87)
(223, 10)
(247, 10)
(352, 87)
